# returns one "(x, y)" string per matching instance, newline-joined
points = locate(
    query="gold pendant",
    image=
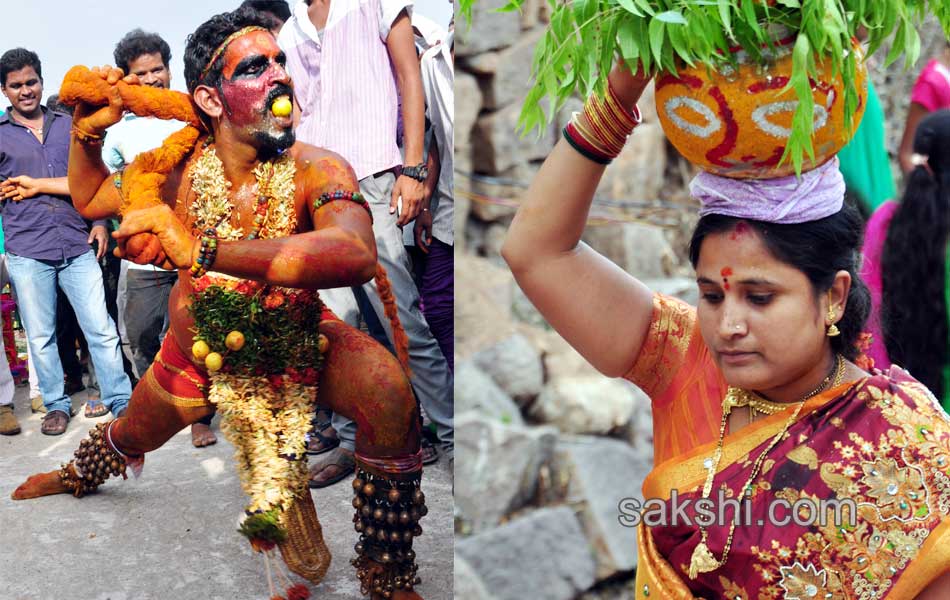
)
(702, 561)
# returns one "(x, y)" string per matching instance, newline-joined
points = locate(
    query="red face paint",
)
(251, 72)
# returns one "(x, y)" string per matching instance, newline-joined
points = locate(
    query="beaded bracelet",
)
(343, 195)
(84, 137)
(206, 254)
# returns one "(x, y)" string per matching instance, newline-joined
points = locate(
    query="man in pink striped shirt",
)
(354, 65)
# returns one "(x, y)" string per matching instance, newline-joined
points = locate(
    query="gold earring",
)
(833, 327)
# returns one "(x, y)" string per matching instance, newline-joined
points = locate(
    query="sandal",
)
(54, 423)
(95, 409)
(321, 441)
(321, 418)
(341, 459)
(430, 454)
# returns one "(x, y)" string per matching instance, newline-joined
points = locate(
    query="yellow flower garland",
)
(267, 426)
(212, 207)
(266, 422)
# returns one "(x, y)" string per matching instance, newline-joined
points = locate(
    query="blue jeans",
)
(80, 278)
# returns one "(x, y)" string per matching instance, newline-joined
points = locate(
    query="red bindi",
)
(725, 272)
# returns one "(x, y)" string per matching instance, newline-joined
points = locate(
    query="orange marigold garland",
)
(82, 85)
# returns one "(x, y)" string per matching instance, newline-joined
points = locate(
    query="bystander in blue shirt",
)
(44, 227)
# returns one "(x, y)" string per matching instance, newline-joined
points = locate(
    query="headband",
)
(817, 194)
(227, 42)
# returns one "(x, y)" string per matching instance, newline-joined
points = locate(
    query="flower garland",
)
(212, 207)
(267, 350)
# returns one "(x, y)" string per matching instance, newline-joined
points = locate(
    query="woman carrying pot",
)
(755, 393)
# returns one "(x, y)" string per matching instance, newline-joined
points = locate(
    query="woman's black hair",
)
(913, 262)
(819, 249)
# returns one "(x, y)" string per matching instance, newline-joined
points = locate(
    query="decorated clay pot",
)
(736, 122)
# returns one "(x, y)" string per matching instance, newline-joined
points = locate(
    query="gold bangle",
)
(616, 139)
(606, 119)
(631, 118)
(584, 130)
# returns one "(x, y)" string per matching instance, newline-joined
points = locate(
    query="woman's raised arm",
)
(599, 309)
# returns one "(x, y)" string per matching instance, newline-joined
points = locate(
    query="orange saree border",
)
(655, 577)
(933, 560)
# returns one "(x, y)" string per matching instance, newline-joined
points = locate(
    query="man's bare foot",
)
(43, 484)
(201, 435)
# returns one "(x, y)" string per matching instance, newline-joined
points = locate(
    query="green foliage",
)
(578, 49)
(275, 338)
(263, 526)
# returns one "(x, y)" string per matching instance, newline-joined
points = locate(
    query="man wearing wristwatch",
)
(354, 67)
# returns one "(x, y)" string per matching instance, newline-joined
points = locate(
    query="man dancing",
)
(254, 222)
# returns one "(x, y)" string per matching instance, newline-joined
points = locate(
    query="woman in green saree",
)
(756, 392)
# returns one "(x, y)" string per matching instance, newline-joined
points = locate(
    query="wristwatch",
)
(419, 172)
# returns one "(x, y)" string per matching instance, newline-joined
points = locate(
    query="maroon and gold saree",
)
(878, 447)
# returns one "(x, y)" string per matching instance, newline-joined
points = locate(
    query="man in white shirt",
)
(355, 72)
(143, 308)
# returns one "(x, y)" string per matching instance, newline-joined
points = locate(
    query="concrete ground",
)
(172, 533)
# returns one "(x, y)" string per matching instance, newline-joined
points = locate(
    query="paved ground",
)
(171, 533)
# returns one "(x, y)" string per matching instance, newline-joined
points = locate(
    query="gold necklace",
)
(738, 398)
(702, 560)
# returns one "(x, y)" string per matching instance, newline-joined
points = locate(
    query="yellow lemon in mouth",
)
(282, 107)
(213, 362)
(200, 349)
(234, 341)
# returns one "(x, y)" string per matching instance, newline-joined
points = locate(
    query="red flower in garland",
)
(298, 592)
(275, 299)
(260, 545)
(276, 380)
(200, 284)
(247, 287)
(309, 376)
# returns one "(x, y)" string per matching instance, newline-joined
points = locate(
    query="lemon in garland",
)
(213, 362)
(234, 341)
(200, 349)
(282, 107)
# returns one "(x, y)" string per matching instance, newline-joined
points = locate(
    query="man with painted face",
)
(254, 222)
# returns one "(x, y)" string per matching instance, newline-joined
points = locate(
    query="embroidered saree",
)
(879, 446)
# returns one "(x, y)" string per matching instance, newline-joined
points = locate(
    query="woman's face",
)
(759, 316)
